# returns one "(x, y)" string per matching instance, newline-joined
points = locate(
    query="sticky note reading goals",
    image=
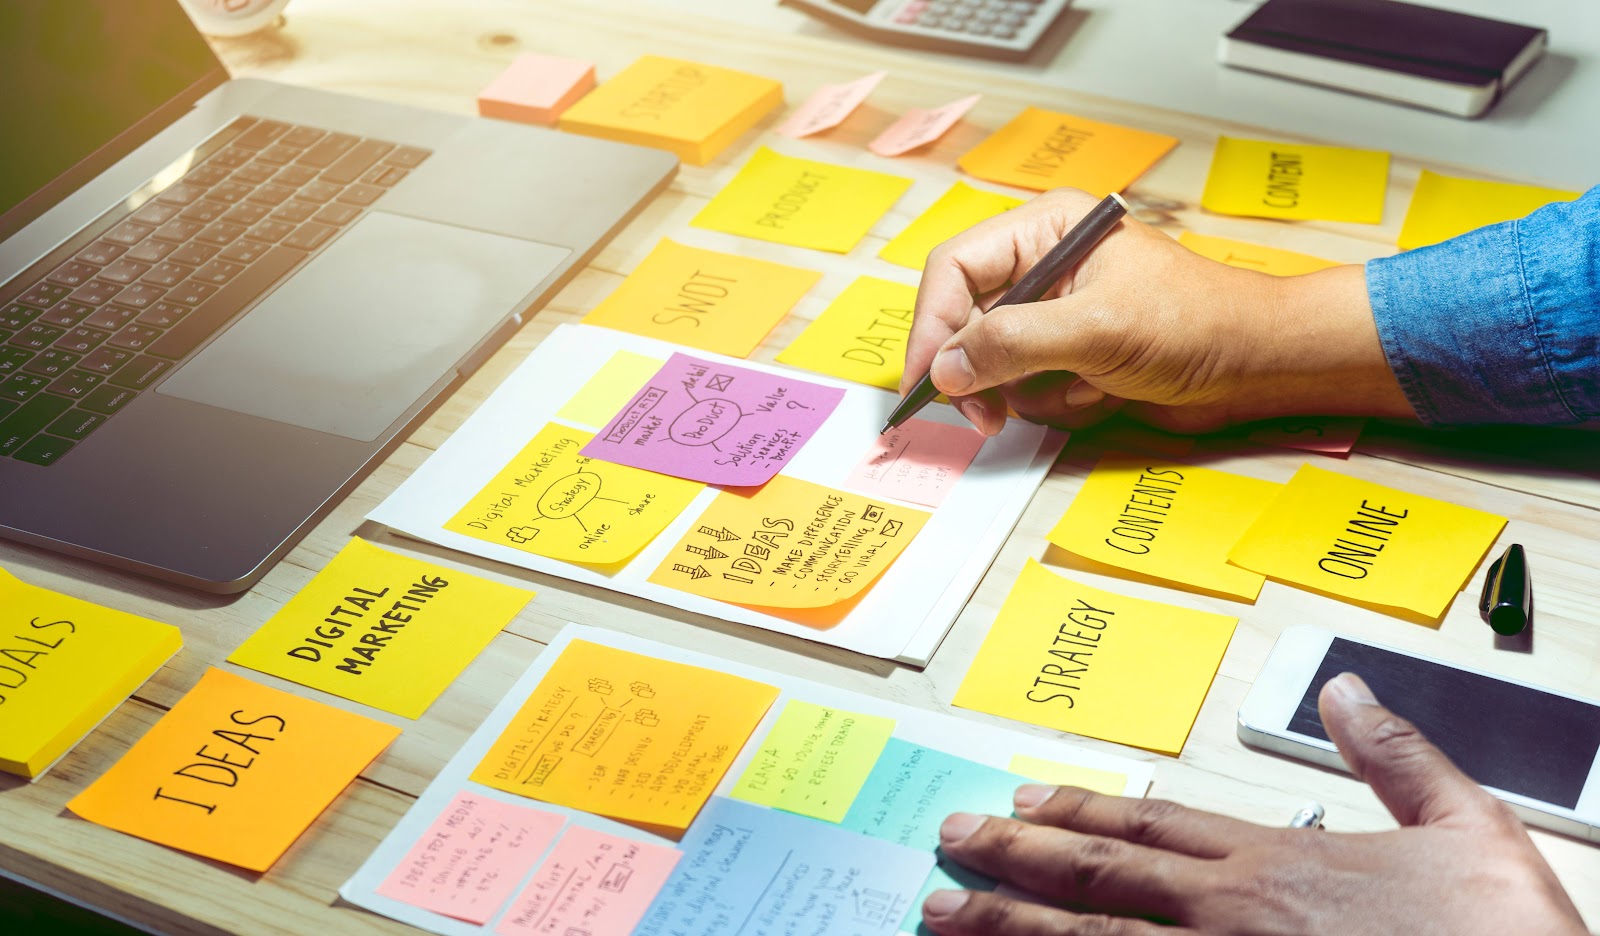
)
(1296, 181)
(802, 202)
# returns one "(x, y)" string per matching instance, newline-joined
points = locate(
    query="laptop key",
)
(231, 192)
(110, 317)
(327, 150)
(163, 315)
(271, 194)
(30, 419)
(217, 272)
(124, 271)
(128, 233)
(220, 233)
(254, 173)
(232, 158)
(243, 251)
(20, 387)
(76, 384)
(245, 213)
(262, 134)
(302, 137)
(37, 337)
(16, 316)
(206, 176)
(270, 231)
(338, 215)
(44, 450)
(359, 194)
(140, 295)
(166, 275)
(294, 176)
(309, 236)
(204, 211)
(278, 155)
(385, 176)
(191, 293)
(141, 373)
(151, 251)
(319, 192)
(44, 295)
(105, 360)
(155, 213)
(73, 274)
(359, 159)
(134, 337)
(294, 211)
(75, 425)
(193, 254)
(51, 363)
(177, 230)
(107, 400)
(82, 341)
(406, 157)
(6, 409)
(66, 314)
(206, 319)
(95, 292)
(180, 194)
(12, 359)
(101, 253)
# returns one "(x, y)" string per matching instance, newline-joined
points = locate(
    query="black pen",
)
(1031, 287)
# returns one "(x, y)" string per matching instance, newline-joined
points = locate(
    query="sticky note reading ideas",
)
(1296, 181)
(1042, 149)
(801, 202)
(860, 336)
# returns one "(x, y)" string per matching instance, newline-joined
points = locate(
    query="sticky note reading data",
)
(790, 544)
(954, 212)
(802, 202)
(814, 760)
(1366, 542)
(704, 299)
(716, 423)
(1444, 206)
(1173, 522)
(1040, 770)
(593, 884)
(828, 106)
(1296, 181)
(609, 389)
(860, 336)
(626, 736)
(1253, 256)
(920, 461)
(1325, 435)
(1042, 149)
(234, 771)
(1075, 658)
(382, 629)
(920, 126)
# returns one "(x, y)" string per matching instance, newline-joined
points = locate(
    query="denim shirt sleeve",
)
(1499, 325)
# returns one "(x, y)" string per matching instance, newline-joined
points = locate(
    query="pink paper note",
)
(716, 423)
(920, 127)
(469, 861)
(828, 107)
(1326, 435)
(536, 88)
(593, 884)
(919, 462)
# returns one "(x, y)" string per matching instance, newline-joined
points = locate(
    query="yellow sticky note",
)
(235, 771)
(1075, 658)
(65, 664)
(1253, 256)
(1042, 149)
(1159, 518)
(788, 544)
(1366, 542)
(703, 299)
(1297, 181)
(552, 501)
(1055, 773)
(1443, 206)
(860, 336)
(627, 736)
(683, 107)
(802, 202)
(610, 389)
(382, 629)
(954, 212)
(814, 760)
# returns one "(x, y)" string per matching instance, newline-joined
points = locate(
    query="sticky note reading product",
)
(1297, 181)
(790, 544)
(1042, 149)
(382, 629)
(1444, 206)
(234, 771)
(1325, 435)
(713, 301)
(1054, 773)
(1366, 542)
(918, 462)
(920, 126)
(1173, 522)
(610, 389)
(716, 423)
(1253, 256)
(536, 88)
(605, 726)
(860, 336)
(828, 106)
(802, 202)
(814, 760)
(469, 861)
(593, 884)
(1078, 659)
(954, 212)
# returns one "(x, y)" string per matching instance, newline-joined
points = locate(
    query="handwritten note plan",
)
(593, 884)
(828, 106)
(1253, 256)
(956, 210)
(801, 202)
(1042, 149)
(919, 126)
(814, 760)
(860, 336)
(1296, 181)
(920, 461)
(1444, 206)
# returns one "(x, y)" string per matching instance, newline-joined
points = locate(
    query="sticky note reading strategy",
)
(802, 202)
(235, 771)
(954, 212)
(860, 336)
(1078, 659)
(1253, 256)
(814, 760)
(704, 299)
(382, 629)
(593, 884)
(716, 423)
(920, 461)
(1042, 150)
(1297, 181)
(626, 736)
(1443, 206)
(1367, 543)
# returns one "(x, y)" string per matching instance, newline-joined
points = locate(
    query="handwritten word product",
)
(802, 202)
(955, 211)
(1042, 149)
(382, 629)
(1325, 435)
(860, 336)
(828, 106)
(918, 461)
(919, 126)
(1296, 181)
(1253, 256)
(814, 760)
(536, 88)
(610, 389)
(592, 884)
(1443, 206)
(1040, 770)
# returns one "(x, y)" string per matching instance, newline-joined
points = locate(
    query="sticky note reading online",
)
(828, 106)
(860, 336)
(1042, 149)
(1296, 181)
(814, 760)
(609, 389)
(1444, 206)
(920, 461)
(593, 884)
(920, 126)
(955, 211)
(1253, 256)
(802, 202)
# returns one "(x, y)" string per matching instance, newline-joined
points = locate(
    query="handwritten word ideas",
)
(1296, 181)
(860, 336)
(801, 202)
(1041, 150)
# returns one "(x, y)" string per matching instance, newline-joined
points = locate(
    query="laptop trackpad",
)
(349, 342)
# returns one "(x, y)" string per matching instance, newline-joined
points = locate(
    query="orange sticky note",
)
(536, 89)
(828, 106)
(921, 126)
(1042, 149)
(235, 771)
(593, 883)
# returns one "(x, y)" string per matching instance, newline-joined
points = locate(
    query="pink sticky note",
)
(592, 883)
(1326, 435)
(536, 89)
(919, 462)
(828, 107)
(469, 861)
(716, 423)
(920, 127)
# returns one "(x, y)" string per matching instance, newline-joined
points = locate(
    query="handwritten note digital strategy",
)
(802, 202)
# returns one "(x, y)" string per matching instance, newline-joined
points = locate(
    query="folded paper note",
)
(536, 88)
(1296, 181)
(919, 461)
(828, 106)
(1049, 772)
(920, 126)
(1444, 206)
(1253, 256)
(955, 211)
(610, 389)
(1325, 435)
(802, 202)
(1042, 149)
(593, 884)
(814, 760)
(860, 336)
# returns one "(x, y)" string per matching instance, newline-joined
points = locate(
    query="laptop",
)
(223, 302)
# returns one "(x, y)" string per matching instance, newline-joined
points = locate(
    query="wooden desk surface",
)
(438, 55)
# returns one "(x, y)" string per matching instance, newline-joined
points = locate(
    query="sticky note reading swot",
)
(802, 202)
(860, 336)
(1042, 149)
(814, 760)
(1296, 181)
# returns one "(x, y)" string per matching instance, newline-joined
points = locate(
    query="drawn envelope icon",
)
(720, 382)
(890, 528)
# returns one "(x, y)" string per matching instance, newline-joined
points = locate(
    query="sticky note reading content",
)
(814, 760)
(1042, 149)
(860, 336)
(921, 126)
(1297, 181)
(955, 211)
(918, 462)
(626, 736)
(828, 106)
(801, 202)
(610, 389)
(1444, 206)
(1253, 256)
(593, 884)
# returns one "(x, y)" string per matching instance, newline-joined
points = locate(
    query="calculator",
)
(997, 29)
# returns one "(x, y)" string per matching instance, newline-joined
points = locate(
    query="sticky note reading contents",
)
(1253, 256)
(1174, 522)
(860, 336)
(610, 389)
(716, 423)
(921, 126)
(550, 500)
(1297, 181)
(382, 629)
(1053, 773)
(814, 760)
(713, 301)
(234, 771)
(626, 736)
(828, 106)
(1075, 658)
(593, 884)
(1042, 149)
(469, 861)
(1444, 206)
(955, 211)
(1325, 435)
(790, 544)
(918, 462)
(1366, 542)
(801, 202)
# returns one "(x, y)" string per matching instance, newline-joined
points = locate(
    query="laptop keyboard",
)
(106, 316)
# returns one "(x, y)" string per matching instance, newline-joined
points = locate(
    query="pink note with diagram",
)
(918, 462)
(593, 883)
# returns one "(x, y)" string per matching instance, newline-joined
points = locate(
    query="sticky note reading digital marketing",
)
(1042, 149)
(610, 389)
(919, 126)
(918, 461)
(1325, 435)
(593, 884)
(1296, 181)
(605, 726)
(235, 771)
(1444, 206)
(860, 336)
(1253, 256)
(382, 629)
(789, 544)
(1366, 542)
(828, 106)
(716, 423)
(801, 202)
(955, 211)
(704, 299)
(1075, 658)
(1054, 773)
(1174, 522)
(814, 760)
